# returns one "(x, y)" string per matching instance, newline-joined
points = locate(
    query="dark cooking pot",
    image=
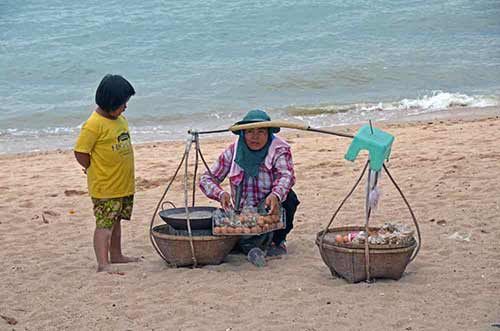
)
(199, 217)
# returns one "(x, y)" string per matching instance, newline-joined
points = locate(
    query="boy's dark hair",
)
(112, 92)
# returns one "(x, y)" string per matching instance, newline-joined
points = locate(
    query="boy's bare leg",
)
(102, 239)
(115, 250)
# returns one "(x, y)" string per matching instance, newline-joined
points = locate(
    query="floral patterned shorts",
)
(109, 211)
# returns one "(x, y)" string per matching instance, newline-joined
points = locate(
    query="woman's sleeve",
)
(284, 175)
(209, 185)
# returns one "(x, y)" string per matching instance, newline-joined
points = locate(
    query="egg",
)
(223, 230)
(261, 220)
(246, 230)
(217, 230)
(346, 239)
(339, 239)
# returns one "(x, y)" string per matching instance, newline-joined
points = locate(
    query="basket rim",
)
(351, 246)
(160, 235)
(361, 250)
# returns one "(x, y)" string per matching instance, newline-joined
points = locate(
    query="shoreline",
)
(459, 113)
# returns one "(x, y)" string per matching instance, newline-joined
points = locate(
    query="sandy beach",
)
(448, 168)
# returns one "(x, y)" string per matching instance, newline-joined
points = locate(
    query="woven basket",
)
(176, 250)
(348, 261)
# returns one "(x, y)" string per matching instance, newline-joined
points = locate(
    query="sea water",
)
(203, 64)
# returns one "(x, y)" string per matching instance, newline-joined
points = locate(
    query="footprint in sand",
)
(69, 193)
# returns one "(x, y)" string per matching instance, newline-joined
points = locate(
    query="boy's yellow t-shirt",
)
(111, 170)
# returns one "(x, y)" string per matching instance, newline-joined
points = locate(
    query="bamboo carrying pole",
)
(269, 124)
(283, 124)
(273, 124)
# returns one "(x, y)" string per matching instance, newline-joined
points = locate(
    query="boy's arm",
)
(85, 144)
(83, 159)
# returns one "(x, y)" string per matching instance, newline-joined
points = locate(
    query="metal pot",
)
(200, 217)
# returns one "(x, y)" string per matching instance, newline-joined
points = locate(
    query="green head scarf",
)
(246, 158)
(250, 160)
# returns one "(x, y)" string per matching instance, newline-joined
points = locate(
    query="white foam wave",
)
(326, 115)
(438, 100)
(443, 100)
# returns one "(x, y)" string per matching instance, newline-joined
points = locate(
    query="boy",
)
(104, 150)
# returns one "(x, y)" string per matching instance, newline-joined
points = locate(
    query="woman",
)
(260, 168)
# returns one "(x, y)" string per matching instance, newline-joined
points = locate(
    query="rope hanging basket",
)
(348, 260)
(363, 262)
(194, 247)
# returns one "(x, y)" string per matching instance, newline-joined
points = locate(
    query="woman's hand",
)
(272, 202)
(225, 201)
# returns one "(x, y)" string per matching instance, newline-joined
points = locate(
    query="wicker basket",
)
(348, 261)
(176, 250)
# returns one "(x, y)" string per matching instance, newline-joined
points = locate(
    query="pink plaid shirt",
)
(279, 179)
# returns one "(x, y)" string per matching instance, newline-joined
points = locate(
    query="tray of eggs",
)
(250, 221)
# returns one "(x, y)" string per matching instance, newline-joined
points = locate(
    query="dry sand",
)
(449, 170)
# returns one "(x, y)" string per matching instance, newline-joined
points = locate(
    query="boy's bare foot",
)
(109, 269)
(124, 259)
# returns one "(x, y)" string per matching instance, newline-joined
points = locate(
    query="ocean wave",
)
(443, 100)
(438, 100)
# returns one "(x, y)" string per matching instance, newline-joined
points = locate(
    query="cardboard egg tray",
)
(248, 224)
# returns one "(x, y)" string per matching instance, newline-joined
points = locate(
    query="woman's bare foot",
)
(124, 259)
